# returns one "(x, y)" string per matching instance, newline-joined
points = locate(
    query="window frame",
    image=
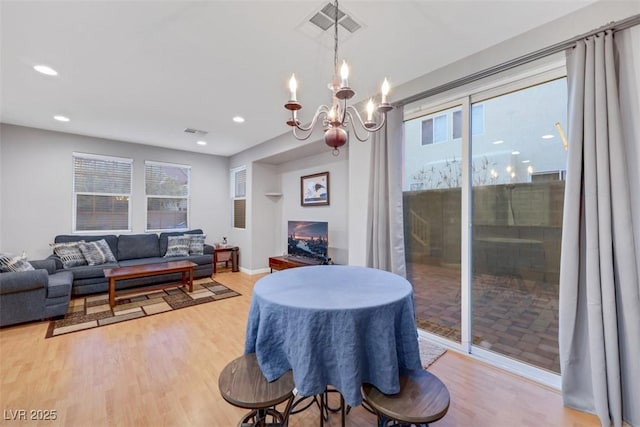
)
(160, 196)
(75, 194)
(433, 121)
(240, 198)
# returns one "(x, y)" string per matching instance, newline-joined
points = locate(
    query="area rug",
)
(429, 352)
(94, 311)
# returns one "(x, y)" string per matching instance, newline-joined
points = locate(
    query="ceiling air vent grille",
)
(195, 131)
(325, 17)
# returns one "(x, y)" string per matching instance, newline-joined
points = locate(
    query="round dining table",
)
(334, 325)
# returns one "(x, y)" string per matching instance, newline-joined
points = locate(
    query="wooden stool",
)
(422, 399)
(242, 384)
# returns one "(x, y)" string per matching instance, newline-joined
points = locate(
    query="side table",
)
(226, 254)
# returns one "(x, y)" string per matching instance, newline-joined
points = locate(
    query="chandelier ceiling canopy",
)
(336, 118)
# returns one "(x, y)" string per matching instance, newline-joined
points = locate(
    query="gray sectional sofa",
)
(131, 249)
(34, 295)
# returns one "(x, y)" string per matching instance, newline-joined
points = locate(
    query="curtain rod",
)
(530, 57)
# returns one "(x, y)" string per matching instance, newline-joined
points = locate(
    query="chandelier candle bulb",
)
(293, 86)
(344, 74)
(370, 108)
(385, 90)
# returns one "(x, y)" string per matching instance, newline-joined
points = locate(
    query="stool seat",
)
(422, 399)
(242, 384)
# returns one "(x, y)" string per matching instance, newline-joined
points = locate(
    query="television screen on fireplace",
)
(308, 239)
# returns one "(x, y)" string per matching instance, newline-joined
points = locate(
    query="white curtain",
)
(599, 333)
(385, 233)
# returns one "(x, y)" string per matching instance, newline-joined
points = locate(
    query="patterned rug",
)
(94, 311)
(429, 352)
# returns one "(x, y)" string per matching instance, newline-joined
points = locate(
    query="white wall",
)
(36, 187)
(336, 213)
(267, 211)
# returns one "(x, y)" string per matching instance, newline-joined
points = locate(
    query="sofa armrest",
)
(23, 281)
(57, 262)
(208, 249)
(45, 264)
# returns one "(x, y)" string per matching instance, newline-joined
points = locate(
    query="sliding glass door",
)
(483, 202)
(519, 163)
(432, 206)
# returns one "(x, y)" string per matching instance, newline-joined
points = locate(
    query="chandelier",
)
(336, 118)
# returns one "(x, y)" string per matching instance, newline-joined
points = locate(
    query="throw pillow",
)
(177, 246)
(10, 262)
(69, 253)
(97, 252)
(196, 243)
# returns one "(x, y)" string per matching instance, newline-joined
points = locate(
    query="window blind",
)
(102, 190)
(167, 188)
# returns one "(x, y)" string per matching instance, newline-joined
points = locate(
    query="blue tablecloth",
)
(334, 325)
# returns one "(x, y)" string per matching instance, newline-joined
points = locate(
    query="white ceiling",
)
(142, 71)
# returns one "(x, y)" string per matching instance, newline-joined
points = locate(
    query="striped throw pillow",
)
(10, 262)
(69, 253)
(196, 243)
(97, 252)
(177, 246)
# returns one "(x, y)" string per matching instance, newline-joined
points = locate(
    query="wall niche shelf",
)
(273, 194)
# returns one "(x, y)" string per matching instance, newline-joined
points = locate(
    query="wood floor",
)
(163, 371)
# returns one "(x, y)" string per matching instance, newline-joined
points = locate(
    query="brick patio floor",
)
(511, 316)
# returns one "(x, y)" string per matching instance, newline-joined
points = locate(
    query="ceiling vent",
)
(325, 17)
(319, 25)
(195, 131)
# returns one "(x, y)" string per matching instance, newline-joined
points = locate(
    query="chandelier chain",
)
(338, 115)
(335, 38)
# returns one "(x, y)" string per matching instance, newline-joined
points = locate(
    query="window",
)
(239, 196)
(477, 121)
(434, 130)
(168, 193)
(101, 193)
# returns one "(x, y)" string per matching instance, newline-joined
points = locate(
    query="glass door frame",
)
(500, 87)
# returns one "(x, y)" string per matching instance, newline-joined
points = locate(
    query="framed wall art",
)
(314, 189)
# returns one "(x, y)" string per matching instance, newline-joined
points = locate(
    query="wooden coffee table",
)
(144, 270)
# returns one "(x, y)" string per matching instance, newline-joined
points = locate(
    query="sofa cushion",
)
(177, 246)
(111, 239)
(48, 264)
(10, 262)
(164, 238)
(60, 284)
(97, 252)
(196, 243)
(69, 253)
(132, 246)
(91, 271)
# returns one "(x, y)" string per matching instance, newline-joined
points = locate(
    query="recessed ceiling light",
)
(548, 136)
(44, 69)
(526, 161)
(238, 119)
(498, 142)
(515, 153)
(61, 118)
(201, 142)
